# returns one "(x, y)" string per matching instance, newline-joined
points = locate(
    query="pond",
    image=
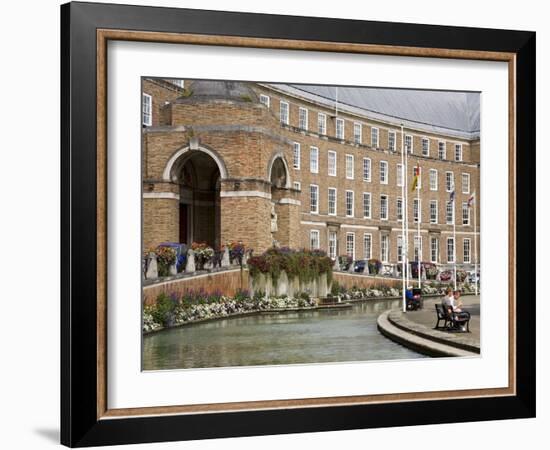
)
(299, 337)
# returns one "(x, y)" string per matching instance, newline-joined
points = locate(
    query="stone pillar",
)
(225, 258)
(246, 217)
(395, 271)
(350, 268)
(287, 208)
(366, 270)
(152, 267)
(336, 266)
(190, 263)
(282, 284)
(173, 269)
(322, 288)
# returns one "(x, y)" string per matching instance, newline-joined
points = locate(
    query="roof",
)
(452, 113)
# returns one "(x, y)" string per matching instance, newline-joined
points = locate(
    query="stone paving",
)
(422, 322)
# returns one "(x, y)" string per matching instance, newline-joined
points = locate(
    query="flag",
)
(452, 196)
(415, 179)
(471, 200)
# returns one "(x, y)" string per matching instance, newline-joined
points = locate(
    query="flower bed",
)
(302, 264)
(171, 310)
(383, 291)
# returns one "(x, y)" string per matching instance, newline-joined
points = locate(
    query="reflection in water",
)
(280, 338)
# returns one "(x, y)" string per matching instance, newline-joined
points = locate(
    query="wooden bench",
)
(452, 321)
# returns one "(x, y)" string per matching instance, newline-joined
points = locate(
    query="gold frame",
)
(103, 36)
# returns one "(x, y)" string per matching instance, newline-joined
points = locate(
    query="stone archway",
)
(284, 204)
(199, 178)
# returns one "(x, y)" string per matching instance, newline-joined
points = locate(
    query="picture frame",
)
(86, 419)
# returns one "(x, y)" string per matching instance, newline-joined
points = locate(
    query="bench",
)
(452, 321)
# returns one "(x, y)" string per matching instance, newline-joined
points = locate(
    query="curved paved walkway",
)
(416, 330)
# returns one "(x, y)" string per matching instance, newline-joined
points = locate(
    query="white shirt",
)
(449, 301)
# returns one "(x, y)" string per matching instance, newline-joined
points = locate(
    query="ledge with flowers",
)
(195, 306)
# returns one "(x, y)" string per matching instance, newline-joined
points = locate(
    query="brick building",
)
(309, 166)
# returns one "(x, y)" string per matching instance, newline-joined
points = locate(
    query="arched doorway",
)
(284, 213)
(198, 176)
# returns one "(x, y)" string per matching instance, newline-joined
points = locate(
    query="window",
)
(339, 128)
(302, 118)
(433, 211)
(374, 137)
(366, 205)
(419, 182)
(283, 113)
(264, 100)
(147, 110)
(314, 198)
(400, 248)
(450, 250)
(366, 169)
(465, 214)
(449, 181)
(332, 163)
(383, 207)
(434, 249)
(391, 141)
(314, 160)
(297, 185)
(465, 183)
(296, 153)
(332, 242)
(418, 248)
(417, 213)
(367, 244)
(467, 251)
(425, 147)
(384, 248)
(178, 83)
(349, 203)
(357, 133)
(449, 213)
(332, 201)
(350, 245)
(399, 174)
(433, 180)
(322, 123)
(384, 172)
(349, 167)
(399, 208)
(409, 143)
(441, 150)
(458, 152)
(314, 239)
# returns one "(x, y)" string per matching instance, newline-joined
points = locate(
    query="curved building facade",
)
(310, 166)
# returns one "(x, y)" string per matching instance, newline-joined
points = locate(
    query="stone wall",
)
(349, 280)
(228, 282)
(160, 221)
(316, 288)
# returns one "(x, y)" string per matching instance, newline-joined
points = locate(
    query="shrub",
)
(304, 264)
(163, 310)
(242, 295)
(335, 288)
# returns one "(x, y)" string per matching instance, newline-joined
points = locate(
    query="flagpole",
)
(406, 202)
(419, 262)
(403, 240)
(475, 242)
(454, 233)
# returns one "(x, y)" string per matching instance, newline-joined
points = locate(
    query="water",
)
(280, 338)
